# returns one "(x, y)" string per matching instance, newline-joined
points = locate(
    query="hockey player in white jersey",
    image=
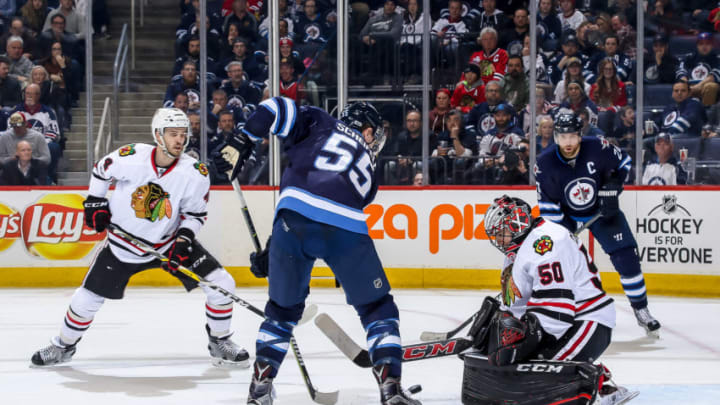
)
(553, 305)
(160, 198)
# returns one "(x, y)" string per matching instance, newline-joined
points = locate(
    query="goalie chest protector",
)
(532, 383)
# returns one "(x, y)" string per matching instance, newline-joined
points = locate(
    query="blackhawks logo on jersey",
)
(509, 289)
(127, 150)
(202, 168)
(151, 202)
(543, 245)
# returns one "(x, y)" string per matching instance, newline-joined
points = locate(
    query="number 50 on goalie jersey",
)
(553, 278)
(330, 177)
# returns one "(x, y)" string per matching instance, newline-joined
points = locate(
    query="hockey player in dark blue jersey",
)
(319, 215)
(581, 177)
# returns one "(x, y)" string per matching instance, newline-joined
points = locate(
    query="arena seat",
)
(658, 95)
(682, 44)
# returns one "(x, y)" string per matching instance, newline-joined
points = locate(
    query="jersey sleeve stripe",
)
(554, 315)
(560, 305)
(554, 218)
(577, 342)
(548, 206)
(553, 293)
(290, 115)
(251, 136)
(598, 306)
(97, 176)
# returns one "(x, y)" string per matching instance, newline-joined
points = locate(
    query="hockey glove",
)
(179, 253)
(608, 198)
(513, 340)
(97, 213)
(230, 155)
(259, 262)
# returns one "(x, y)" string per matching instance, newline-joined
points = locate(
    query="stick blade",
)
(326, 398)
(309, 313)
(430, 336)
(347, 346)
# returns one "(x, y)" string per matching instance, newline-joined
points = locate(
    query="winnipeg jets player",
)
(329, 180)
(160, 198)
(580, 177)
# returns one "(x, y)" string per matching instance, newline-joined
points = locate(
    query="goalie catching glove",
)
(230, 156)
(513, 340)
(179, 253)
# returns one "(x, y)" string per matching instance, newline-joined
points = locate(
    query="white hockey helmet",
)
(169, 118)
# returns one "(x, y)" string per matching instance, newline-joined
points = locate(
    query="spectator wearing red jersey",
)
(608, 93)
(491, 59)
(469, 91)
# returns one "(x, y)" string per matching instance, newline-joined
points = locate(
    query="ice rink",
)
(150, 348)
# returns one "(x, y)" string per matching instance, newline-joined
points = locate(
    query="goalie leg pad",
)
(480, 328)
(531, 383)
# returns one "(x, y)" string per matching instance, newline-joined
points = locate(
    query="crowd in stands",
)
(480, 68)
(42, 57)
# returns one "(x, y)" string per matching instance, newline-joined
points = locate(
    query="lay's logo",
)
(9, 226)
(54, 228)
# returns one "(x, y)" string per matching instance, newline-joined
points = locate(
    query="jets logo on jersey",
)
(487, 122)
(202, 168)
(107, 163)
(543, 245)
(151, 202)
(652, 73)
(580, 193)
(605, 143)
(127, 150)
(312, 31)
(700, 72)
(670, 118)
(236, 101)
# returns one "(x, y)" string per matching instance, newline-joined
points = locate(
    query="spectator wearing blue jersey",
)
(323, 191)
(686, 115)
(549, 25)
(489, 17)
(701, 68)
(581, 179)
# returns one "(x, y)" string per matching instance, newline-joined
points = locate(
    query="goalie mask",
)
(507, 222)
(361, 115)
(169, 118)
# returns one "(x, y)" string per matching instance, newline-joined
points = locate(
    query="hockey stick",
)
(414, 352)
(430, 336)
(246, 216)
(325, 398)
(587, 224)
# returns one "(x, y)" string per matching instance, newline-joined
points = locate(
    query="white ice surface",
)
(150, 348)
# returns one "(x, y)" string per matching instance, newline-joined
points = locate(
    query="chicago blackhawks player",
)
(160, 198)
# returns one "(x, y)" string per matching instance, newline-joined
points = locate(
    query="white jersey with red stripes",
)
(552, 278)
(149, 202)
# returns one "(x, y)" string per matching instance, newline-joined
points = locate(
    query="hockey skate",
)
(391, 393)
(262, 391)
(647, 322)
(615, 395)
(225, 351)
(55, 353)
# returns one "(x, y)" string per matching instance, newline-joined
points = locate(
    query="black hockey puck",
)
(415, 389)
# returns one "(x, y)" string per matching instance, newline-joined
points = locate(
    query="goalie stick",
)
(413, 352)
(325, 398)
(427, 336)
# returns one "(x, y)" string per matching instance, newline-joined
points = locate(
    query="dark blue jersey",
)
(567, 190)
(330, 178)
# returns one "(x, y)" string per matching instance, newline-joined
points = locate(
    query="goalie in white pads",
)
(160, 198)
(554, 307)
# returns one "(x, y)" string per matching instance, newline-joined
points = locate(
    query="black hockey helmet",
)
(567, 122)
(509, 214)
(360, 115)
